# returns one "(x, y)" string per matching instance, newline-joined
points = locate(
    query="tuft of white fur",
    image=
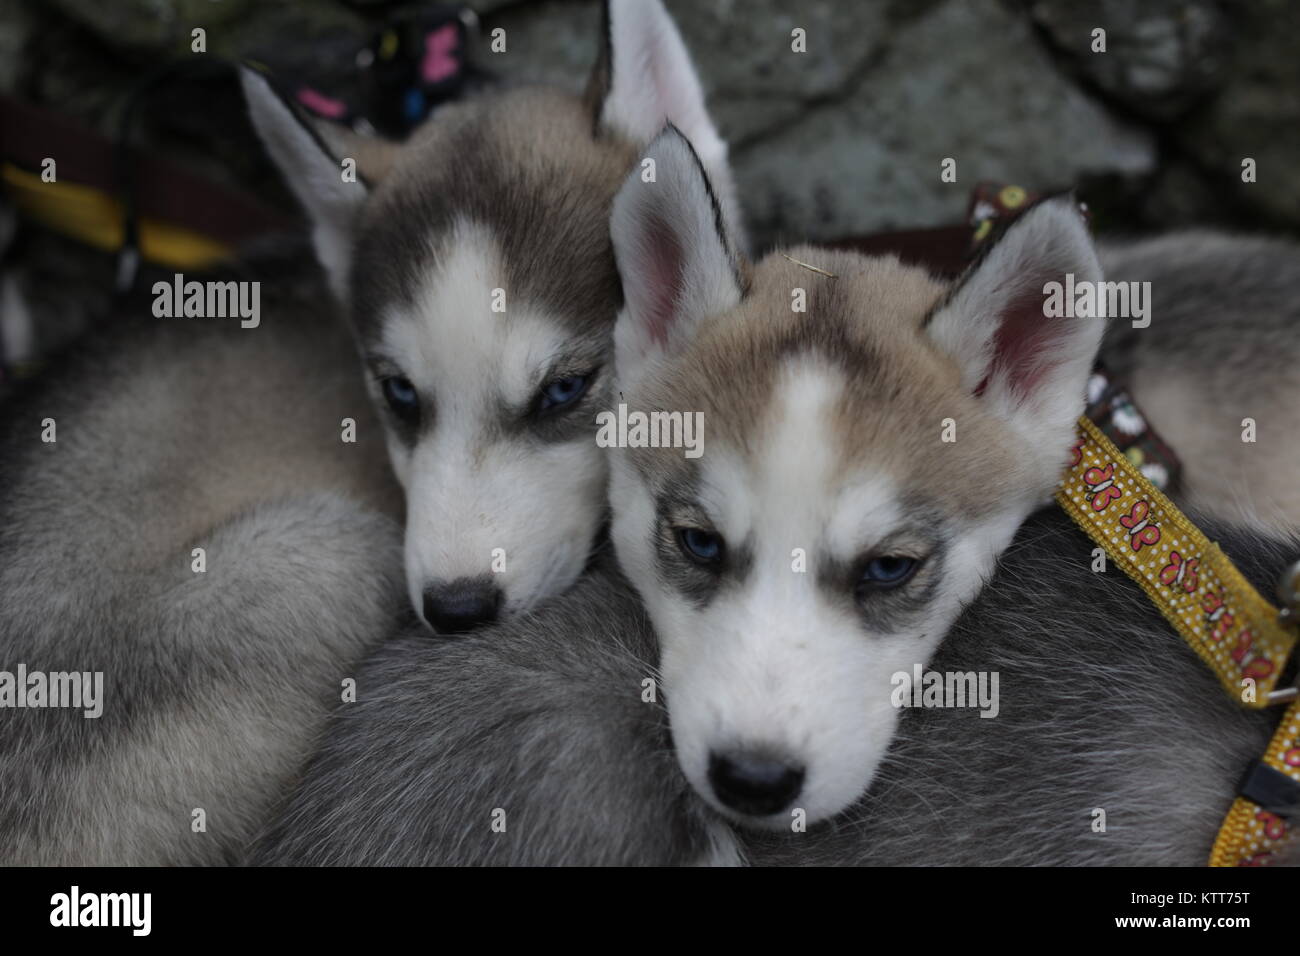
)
(653, 82)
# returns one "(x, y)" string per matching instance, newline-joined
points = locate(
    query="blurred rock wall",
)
(846, 138)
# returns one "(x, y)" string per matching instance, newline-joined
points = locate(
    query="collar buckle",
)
(1288, 595)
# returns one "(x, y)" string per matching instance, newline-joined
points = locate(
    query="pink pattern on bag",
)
(439, 63)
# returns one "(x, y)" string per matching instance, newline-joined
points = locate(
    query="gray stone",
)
(481, 6)
(965, 81)
(553, 42)
(1255, 115)
(1161, 56)
(152, 30)
(742, 49)
(153, 25)
(16, 26)
(845, 139)
(756, 83)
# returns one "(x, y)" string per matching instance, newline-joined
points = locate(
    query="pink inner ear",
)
(1024, 344)
(663, 278)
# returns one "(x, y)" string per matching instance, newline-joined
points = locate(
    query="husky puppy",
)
(1223, 346)
(873, 439)
(197, 530)
(476, 265)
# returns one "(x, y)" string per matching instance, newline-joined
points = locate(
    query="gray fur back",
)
(1223, 345)
(1101, 706)
(541, 718)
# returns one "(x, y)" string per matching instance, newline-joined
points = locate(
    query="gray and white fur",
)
(1102, 706)
(180, 434)
(476, 265)
(824, 447)
(536, 725)
(173, 435)
(1223, 346)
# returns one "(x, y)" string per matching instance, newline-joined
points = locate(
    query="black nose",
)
(458, 606)
(754, 784)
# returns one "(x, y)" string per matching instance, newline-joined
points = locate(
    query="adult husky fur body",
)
(1102, 706)
(507, 718)
(173, 435)
(1223, 346)
(475, 262)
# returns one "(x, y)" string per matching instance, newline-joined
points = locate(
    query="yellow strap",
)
(1202, 594)
(93, 217)
(1251, 835)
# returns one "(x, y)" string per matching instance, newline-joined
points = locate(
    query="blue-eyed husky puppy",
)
(185, 524)
(873, 439)
(475, 263)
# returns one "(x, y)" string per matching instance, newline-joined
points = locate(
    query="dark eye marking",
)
(401, 397)
(692, 557)
(562, 407)
(892, 583)
(562, 392)
(886, 572)
(705, 548)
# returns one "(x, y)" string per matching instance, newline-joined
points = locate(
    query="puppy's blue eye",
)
(401, 397)
(563, 391)
(888, 571)
(702, 546)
